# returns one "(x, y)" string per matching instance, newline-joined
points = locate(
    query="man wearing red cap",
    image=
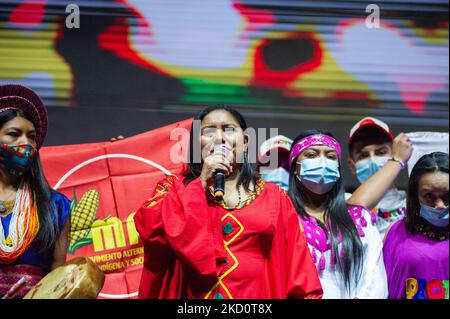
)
(371, 147)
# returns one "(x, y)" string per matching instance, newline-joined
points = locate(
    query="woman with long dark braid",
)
(416, 247)
(34, 227)
(344, 243)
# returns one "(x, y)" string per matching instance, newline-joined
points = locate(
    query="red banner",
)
(107, 182)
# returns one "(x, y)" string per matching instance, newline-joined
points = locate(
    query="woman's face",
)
(433, 189)
(220, 128)
(18, 131)
(316, 151)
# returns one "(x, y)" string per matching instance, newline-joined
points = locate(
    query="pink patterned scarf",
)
(317, 139)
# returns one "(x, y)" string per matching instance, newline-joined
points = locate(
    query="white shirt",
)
(373, 281)
(392, 207)
(395, 202)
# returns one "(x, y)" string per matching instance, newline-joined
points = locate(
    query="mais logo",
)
(104, 234)
(110, 234)
(86, 228)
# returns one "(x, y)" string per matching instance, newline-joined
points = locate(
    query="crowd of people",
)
(286, 232)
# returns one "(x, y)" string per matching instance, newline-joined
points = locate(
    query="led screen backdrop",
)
(299, 59)
(137, 65)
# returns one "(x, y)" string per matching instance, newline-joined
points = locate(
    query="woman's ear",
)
(246, 140)
(297, 168)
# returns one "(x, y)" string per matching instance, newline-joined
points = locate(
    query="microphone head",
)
(219, 186)
(218, 195)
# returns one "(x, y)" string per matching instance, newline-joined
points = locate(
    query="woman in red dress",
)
(247, 245)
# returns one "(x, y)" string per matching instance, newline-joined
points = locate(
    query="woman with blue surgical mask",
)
(416, 249)
(344, 243)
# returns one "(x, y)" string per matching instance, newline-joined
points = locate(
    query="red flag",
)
(107, 182)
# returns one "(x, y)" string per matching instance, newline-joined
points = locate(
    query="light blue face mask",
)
(369, 166)
(278, 176)
(436, 216)
(319, 174)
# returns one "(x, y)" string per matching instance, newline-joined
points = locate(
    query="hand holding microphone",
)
(215, 168)
(219, 176)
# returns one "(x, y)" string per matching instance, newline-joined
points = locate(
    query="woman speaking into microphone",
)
(243, 243)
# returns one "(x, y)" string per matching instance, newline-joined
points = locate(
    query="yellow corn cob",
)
(83, 216)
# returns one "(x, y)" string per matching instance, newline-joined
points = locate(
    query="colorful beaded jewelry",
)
(253, 195)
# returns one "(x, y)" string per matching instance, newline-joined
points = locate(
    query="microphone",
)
(219, 177)
(219, 186)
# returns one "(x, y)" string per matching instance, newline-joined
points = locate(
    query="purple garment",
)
(412, 256)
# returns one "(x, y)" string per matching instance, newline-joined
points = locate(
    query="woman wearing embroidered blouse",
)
(416, 249)
(344, 242)
(33, 227)
(249, 245)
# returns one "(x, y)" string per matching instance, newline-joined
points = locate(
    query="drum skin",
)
(79, 278)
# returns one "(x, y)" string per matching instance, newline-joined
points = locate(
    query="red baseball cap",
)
(370, 122)
(279, 143)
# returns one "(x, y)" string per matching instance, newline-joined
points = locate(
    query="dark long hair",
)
(337, 218)
(48, 222)
(429, 163)
(247, 172)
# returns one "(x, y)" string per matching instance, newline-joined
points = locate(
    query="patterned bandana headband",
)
(317, 139)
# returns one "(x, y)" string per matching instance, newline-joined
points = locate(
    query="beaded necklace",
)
(319, 239)
(23, 226)
(432, 232)
(241, 204)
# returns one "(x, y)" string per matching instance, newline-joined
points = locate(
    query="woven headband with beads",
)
(316, 139)
(19, 97)
(8, 108)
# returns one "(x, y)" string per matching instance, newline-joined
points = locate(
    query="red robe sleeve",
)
(176, 223)
(290, 258)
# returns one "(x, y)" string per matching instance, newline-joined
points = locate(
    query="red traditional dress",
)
(195, 248)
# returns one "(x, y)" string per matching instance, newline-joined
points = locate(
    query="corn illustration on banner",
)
(106, 183)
